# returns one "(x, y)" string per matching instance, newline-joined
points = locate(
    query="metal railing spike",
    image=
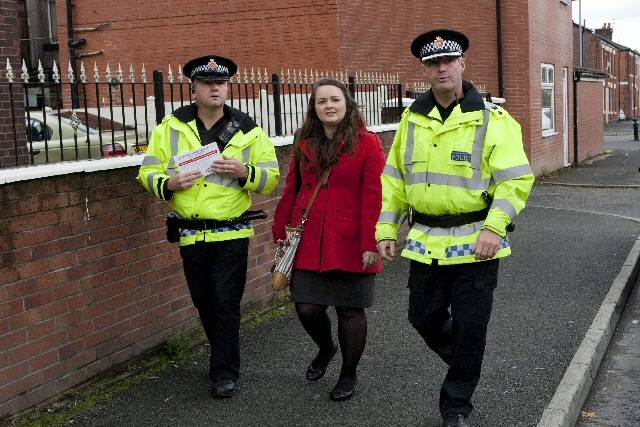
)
(143, 74)
(9, 74)
(108, 73)
(83, 73)
(180, 74)
(70, 75)
(55, 72)
(96, 73)
(246, 76)
(253, 76)
(120, 73)
(25, 72)
(132, 74)
(40, 72)
(170, 74)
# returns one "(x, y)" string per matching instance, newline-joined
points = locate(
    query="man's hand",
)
(183, 181)
(231, 167)
(387, 249)
(487, 244)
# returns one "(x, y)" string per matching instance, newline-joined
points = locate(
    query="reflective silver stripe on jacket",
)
(505, 206)
(408, 152)
(174, 138)
(511, 173)
(478, 141)
(474, 183)
(222, 180)
(150, 178)
(246, 155)
(388, 216)
(392, 171)
(459, 231)
(151, 161)
(267, 164)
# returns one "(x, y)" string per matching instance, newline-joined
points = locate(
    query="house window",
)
(548, 121)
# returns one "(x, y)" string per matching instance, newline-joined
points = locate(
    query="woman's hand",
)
(369, 259)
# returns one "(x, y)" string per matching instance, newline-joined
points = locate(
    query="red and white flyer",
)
(200, 159)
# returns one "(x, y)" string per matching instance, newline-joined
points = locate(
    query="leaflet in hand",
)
(200, 160)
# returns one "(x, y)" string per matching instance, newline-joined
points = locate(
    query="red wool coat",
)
(341, 224)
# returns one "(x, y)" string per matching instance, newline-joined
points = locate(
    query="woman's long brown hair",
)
(347, 131)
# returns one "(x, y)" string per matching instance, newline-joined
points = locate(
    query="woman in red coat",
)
(337, 257)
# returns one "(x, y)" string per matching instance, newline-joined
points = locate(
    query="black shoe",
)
(344, 389)
(318, 367)
(456, 420)
(223, 389)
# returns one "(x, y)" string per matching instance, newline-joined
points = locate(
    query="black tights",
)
(352, 333)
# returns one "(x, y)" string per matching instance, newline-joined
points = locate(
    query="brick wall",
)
(87, 280)
(551, 42)
(278, 34)
(516, 61)
(590, 129)
(377, 36)
(11, 28)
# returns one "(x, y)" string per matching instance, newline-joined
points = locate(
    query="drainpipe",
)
(576, 79)
(499, 38)
(75, 97)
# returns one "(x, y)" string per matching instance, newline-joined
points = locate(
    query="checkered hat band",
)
(449, 46)
(220, 69)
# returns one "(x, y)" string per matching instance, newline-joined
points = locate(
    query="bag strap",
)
(323, 181)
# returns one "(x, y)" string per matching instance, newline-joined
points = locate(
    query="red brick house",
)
(620, 64)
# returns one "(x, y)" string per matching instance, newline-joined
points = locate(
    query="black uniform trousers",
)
(216, 273)
(459, 336)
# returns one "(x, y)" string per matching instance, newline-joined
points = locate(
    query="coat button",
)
(308, 185)
(197, 215)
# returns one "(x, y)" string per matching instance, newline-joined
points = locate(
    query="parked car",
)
(60, 136)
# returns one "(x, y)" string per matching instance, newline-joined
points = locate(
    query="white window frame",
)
(547, 73)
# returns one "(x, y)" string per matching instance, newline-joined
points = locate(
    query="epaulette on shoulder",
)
(167, 118)
(496, 110)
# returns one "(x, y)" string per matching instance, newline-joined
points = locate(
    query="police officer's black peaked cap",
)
(439, 43)
(211, 67)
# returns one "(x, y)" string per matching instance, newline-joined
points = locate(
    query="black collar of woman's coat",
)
(472, 101)
(189, 112)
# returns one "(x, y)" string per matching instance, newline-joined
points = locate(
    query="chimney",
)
(606, 31)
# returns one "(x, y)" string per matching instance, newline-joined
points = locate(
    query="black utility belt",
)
(206, 224)
(210, 224)
(448, 221)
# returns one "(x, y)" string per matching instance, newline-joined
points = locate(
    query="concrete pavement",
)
(571, 246)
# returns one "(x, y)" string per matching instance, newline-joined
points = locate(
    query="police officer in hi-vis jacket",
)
(457, 169)
(210, 212)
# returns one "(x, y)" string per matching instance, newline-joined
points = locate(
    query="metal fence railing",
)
(88, 115)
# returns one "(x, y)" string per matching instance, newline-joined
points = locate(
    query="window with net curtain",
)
(548, 120)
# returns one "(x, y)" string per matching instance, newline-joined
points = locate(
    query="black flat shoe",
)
(344, 389)
(317, 368)
(223, 389)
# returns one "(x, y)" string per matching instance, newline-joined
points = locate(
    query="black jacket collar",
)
(472, 101)
(189, 112)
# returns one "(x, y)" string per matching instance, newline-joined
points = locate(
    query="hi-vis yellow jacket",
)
(213, 196)
(441, 168)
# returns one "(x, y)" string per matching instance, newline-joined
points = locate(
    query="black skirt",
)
(337, 288)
